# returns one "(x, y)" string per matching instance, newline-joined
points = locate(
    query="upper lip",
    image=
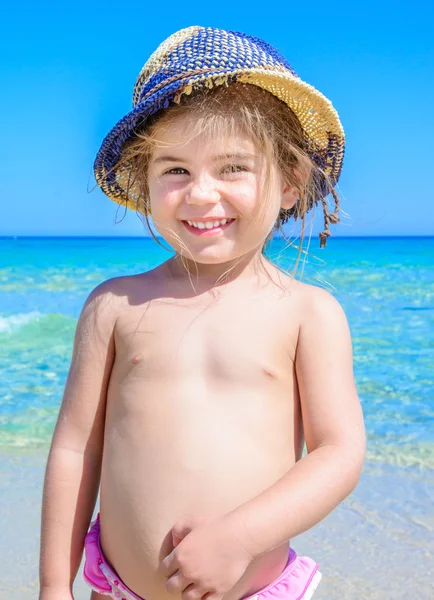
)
(206, 219)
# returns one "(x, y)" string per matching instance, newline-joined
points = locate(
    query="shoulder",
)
(96, 325)
(324, 334)
(115, 293)
(311, 302)
(322, 319)
(105, 298)
(318, 303)
(105, 302)
(319, 320)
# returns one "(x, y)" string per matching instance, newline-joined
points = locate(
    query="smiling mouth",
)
(209, 224)
(207, 227)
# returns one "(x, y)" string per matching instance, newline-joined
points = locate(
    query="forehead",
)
(184, 132)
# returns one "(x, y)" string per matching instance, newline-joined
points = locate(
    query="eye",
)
(176, 171)
(228, 169)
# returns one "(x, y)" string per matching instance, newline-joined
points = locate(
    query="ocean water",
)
(385, 285)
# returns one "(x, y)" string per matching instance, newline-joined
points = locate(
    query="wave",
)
(14, 322)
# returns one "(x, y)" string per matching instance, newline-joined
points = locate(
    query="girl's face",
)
(205, 195)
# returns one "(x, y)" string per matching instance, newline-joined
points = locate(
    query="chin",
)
(211, 253)
(208, 258)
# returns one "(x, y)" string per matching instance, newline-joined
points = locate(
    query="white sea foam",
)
(14, 322)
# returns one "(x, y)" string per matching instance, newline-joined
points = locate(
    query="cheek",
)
(244, 195)
(163, 200)
(264, 214)
(251, 200)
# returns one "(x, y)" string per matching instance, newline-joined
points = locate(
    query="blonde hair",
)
(266, 120)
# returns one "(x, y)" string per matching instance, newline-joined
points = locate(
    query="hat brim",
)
(316, 114)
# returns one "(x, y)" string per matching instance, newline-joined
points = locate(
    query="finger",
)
(179, 531)
(183, 528)
(177, 583)
(212, 596)
(176, 539)
(192, 592)
(169, 565)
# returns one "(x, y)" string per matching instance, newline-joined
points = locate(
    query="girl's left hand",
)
(208, 558)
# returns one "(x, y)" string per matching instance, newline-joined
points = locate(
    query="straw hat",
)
(204, 56)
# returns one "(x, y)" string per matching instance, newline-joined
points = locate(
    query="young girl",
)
(194, 386)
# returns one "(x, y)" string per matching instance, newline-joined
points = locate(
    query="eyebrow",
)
(232, 155)
(237, 155)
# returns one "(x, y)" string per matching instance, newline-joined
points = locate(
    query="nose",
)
(202, 190)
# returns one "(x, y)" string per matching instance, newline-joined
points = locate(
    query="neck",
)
(208, 276)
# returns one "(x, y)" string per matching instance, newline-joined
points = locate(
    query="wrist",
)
(63, 592)
(238, 528)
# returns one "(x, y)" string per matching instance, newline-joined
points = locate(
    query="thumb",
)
(183, 528)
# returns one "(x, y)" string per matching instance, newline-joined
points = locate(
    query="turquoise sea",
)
(386, 286)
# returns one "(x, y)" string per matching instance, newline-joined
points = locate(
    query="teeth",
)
(208, 224)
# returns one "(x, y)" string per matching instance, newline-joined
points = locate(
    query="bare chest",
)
(221, 340)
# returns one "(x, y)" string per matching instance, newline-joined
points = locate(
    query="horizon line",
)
(139, 237)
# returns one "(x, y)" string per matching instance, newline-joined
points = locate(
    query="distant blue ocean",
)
(386, 286)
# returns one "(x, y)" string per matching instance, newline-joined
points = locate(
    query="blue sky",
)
(67, 73)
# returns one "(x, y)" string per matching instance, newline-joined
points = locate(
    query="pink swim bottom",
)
(298, 580)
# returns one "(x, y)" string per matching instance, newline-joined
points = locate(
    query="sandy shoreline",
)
(378, 545)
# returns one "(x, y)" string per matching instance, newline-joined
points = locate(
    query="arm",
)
(74, 462)
(334, 433)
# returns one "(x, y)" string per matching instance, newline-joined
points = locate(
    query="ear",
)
(290, 196)
(291, 192)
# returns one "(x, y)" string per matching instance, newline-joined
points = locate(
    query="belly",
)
(166, 459)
